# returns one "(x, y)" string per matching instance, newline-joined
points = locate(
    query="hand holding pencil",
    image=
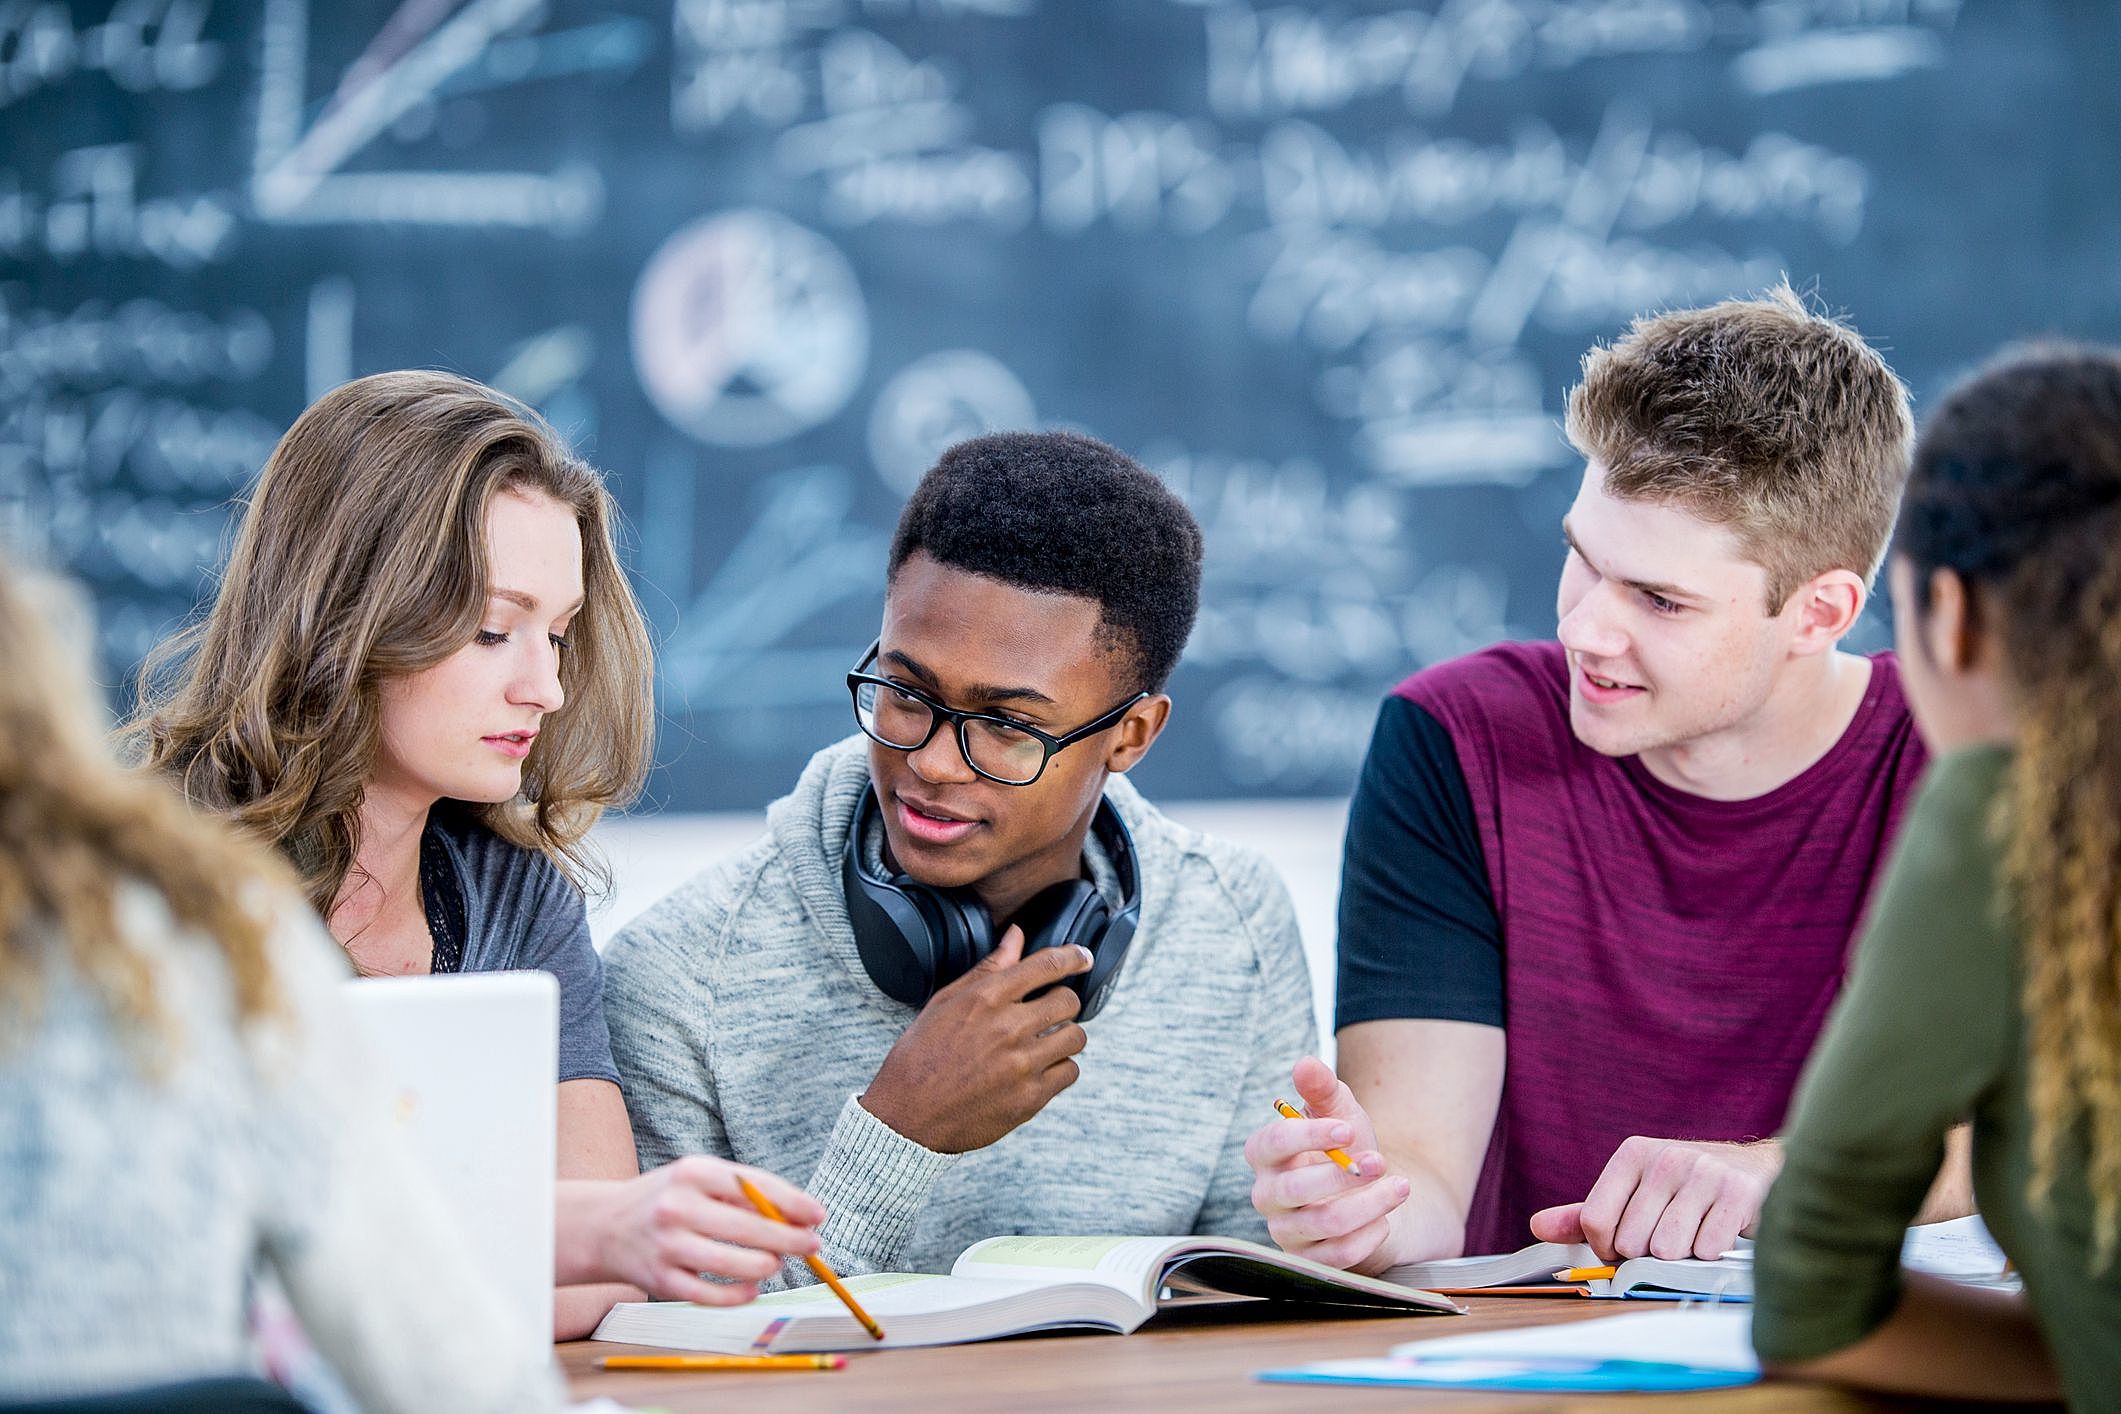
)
(660, 1231)
(1319, 1179)
(816, 1264)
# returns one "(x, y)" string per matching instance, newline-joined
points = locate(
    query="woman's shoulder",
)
(520, 910)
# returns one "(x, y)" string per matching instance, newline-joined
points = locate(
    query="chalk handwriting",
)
(144, 46)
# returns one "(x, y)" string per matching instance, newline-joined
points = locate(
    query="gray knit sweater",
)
(744, 1025)
(142, 1179)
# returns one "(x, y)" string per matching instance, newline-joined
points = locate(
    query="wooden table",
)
(1186, 1360)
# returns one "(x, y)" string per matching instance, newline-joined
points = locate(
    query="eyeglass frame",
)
(938, 714)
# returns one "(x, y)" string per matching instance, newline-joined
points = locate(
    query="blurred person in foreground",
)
(1988, 982)
(182, 1097)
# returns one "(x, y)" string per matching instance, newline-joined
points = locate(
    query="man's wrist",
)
(1423, 1228)
(887, 1114)
(1766, 1153)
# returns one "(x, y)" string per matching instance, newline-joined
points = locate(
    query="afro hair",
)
(1061, 513)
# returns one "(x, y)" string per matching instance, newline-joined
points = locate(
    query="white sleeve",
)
(383, 1281)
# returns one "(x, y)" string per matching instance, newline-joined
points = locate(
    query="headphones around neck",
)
(915, 939)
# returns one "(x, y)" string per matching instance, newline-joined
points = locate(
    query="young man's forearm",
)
(1952, 1195)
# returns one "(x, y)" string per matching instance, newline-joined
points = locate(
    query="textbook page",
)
(1004, 1286)
(1728, 1278)
(1961, 1250)
(1536, 1263)
(1731, 1277)
(1140, 1267)
(1133, 1265)
(913, 1308)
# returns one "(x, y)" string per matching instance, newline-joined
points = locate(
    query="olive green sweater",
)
(1930, 1031)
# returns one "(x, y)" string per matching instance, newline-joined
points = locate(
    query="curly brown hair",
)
(1758, 414)
(361, 557)
(74, 825)
(2016, 487)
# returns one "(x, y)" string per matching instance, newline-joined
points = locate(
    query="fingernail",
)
(1089, 957)
(1341, 1134)
(1402, 1187)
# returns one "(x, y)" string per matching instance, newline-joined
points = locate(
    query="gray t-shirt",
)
(520, 913)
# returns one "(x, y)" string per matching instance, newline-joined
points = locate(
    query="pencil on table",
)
(1587, 1274)
(1338, 1156)
(724, 1362)
(824, 1273)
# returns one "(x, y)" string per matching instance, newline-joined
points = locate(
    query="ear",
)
(1138, 731)
(1827, 607)
(1948, 631)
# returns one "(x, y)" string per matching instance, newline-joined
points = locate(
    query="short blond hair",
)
(1760, 415)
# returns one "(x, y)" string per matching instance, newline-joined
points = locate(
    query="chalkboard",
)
(1328, 269)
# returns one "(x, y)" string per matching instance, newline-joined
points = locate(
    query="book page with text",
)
(1132, 1265)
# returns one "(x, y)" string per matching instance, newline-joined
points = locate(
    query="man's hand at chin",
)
(986, 1053)
(1668, 1198)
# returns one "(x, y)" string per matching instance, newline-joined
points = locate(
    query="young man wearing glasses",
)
(971, 982)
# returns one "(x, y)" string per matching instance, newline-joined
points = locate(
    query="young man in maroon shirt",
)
(1598, 894)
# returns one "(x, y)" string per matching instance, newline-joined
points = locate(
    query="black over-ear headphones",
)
(915, 940)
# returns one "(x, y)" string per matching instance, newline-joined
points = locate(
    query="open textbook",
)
(1961, 1250)
(1008, 1285)
(1535, 1267)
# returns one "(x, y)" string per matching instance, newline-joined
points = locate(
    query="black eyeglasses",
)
(1005, 752)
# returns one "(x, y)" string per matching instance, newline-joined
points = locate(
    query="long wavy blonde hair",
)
(362, 557)
(74, 825)
(2017, 487)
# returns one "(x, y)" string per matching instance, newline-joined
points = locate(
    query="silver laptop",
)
(471, 1059)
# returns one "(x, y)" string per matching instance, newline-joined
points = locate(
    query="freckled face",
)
(463, 728)
(1664, 622)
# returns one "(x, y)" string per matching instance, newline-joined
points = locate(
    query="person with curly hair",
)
(972, 982)
(422, 679)
(1988, 981)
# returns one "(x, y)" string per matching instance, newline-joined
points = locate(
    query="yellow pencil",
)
(1587, 1274)
(1338, 1156)
(825, 1274)
(724, 1362)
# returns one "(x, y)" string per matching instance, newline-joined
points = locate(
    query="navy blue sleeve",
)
(1419, 937)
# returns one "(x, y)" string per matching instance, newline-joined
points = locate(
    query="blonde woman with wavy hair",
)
(423, 679)
(1988, 983)
(182, 1096)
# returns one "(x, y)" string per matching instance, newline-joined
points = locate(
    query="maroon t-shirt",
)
(1665, 961)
